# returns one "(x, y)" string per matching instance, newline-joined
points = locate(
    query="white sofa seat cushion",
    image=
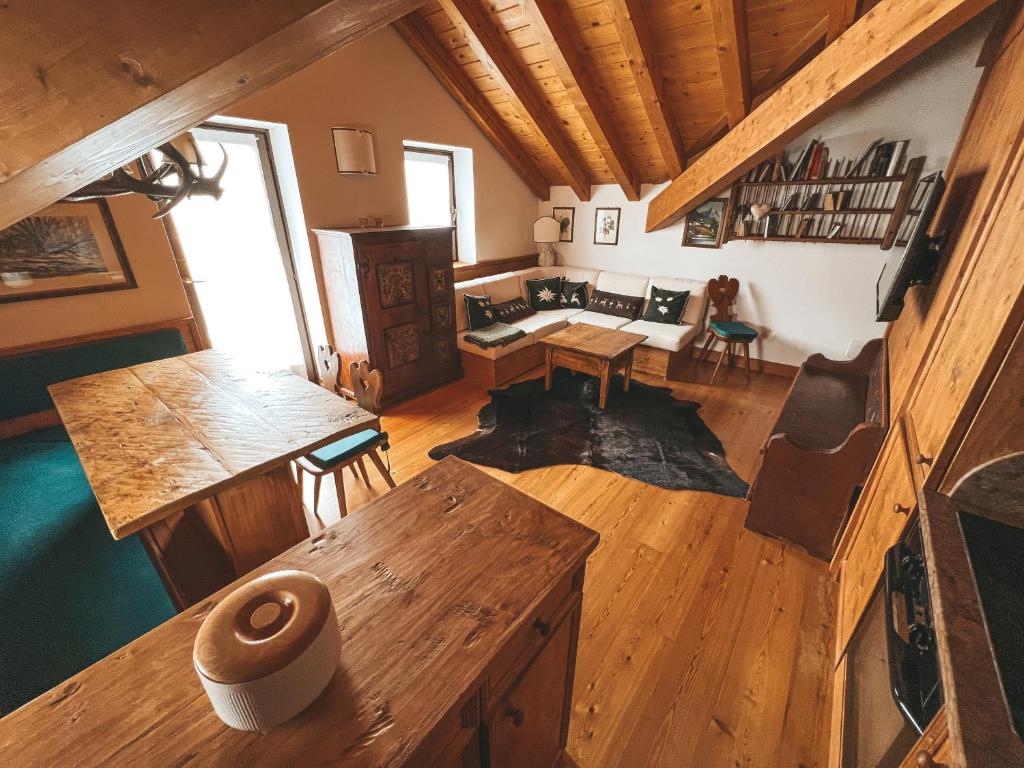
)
(663, 335)
(693, 313)
(598, 319)
(623, 284)
(493, 353)
(545, 323)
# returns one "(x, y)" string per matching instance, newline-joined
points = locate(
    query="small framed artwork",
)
(703, 225)
(566, 218)
(606, 226)
(65, 249)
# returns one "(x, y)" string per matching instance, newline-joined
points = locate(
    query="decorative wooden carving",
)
(722, 291)
(442, 316)
(395, 283)
(439, 281)
(403, 344)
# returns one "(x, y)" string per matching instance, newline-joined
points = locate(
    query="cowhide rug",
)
(645, 434)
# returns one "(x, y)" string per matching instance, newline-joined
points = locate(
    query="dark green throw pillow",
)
(616, 304)
(545, 294)
(512, 310)
(479, 311)
(666, 306)
(574, 295)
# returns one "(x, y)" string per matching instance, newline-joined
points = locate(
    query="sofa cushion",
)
(616, 304)
(474, 287)
(502, 287)
(545, 323)
(665, 306)
(574, 295)
(671, 337)
(479, 311)
(24, 378)
(70, 593)
(622, 284)
(580, 275)
(513, 309)
(493, 353)
(544, 294)
(696, 305)
(596, 318)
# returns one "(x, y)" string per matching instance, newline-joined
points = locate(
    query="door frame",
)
(277, 214)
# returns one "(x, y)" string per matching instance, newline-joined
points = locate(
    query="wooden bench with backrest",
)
(821, 448)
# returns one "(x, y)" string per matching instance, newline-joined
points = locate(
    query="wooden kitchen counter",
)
(459, 603)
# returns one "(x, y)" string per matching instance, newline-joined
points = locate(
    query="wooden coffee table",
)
(591, 349)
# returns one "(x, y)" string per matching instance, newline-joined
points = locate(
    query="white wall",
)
(804, 297)
(379, 83)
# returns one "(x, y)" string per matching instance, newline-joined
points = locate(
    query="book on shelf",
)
(802, 163)
(898, 155)
(883, 156)
(805, 227)
(834, 230)
(855, 169)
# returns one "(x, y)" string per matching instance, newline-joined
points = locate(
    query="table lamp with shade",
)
(546, 230)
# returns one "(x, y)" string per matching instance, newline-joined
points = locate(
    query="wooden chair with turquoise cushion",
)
(367, 387)
(722, 291)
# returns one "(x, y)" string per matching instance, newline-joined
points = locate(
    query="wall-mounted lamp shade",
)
(546, 230)
(353, 148)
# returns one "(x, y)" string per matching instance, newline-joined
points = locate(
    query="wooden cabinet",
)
(391, 301)
(528, 725)
(878, 522)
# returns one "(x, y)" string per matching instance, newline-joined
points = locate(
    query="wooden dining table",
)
(192, 453)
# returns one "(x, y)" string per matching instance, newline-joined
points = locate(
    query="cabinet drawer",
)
(519, 651)
(880, 519)
(455, 740)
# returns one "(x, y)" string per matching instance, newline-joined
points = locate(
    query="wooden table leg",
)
(606, 375)
(728, 346)
(746, 355)
(548, 355)
(627, 372)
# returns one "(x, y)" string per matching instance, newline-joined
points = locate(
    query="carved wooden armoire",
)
(391, 301)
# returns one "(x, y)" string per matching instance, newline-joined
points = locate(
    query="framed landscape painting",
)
(65, 249)
(566, 218)
(703, 225)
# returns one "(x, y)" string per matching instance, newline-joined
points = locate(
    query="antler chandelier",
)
(178, 176)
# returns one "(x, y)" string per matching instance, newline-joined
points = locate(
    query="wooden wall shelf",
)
(882, 209)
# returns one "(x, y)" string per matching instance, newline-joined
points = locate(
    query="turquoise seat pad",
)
(733, 330)
(335, 453)
(69, 593)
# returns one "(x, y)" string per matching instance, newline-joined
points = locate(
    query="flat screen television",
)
(916, 261)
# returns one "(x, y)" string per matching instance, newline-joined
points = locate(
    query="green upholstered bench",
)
(69, 592)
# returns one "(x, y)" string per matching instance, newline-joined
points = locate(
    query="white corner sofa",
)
(664, 354)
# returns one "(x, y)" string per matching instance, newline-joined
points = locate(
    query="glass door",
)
(238, 263)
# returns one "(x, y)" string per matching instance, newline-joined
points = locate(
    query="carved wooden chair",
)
(722, 291)
(367, 388)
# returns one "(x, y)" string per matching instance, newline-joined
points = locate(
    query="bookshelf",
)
(872, 210)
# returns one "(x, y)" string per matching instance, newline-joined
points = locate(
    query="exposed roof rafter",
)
(635, 36)
(474, 23)
(418, 35)
(887, 37)
(841, 15)
(562, 48)
(728, 19)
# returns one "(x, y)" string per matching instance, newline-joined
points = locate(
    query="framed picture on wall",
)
(703, 225)
(566, 218)
(65, 249)
(606, 226)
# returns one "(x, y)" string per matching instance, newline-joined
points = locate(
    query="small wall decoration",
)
(566, 218)
(606, 226)
(65, 249)
(703, 226)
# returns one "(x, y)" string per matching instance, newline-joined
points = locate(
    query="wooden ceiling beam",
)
(421, 39)
(793, 59)
(635, 35)
(841, 15)
(488, 44)
(729, 22)
(563, 50)
(884, 39)
(72, 112)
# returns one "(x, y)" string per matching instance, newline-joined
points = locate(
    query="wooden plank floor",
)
(702, 644)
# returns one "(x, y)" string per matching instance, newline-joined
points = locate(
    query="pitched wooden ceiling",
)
(583, 92)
